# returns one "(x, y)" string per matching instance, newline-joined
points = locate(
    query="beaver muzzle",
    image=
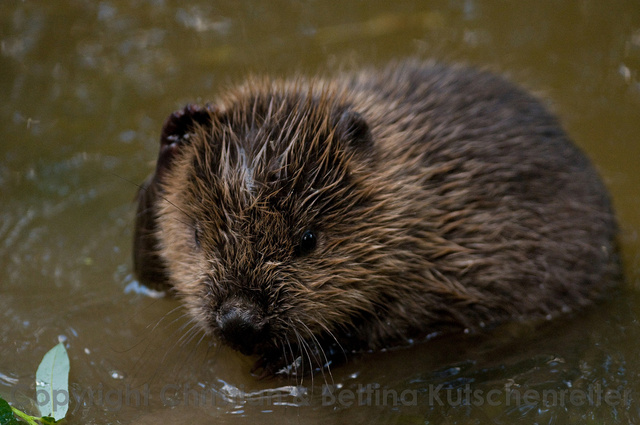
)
(242, 326)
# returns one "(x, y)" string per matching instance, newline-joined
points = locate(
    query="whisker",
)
(146, 354)
(310, 355)
(293, 358)
(184, 340)
(170, 348)
(301, 354)
(188, 335)
(331, 334)
(322, 352)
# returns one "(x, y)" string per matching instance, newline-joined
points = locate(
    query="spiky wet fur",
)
(458, 202)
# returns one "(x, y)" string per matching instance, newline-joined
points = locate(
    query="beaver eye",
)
(308, 242)
(196, 235)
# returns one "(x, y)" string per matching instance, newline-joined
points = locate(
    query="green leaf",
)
(52, 383)
(47, 420)
(6, 414)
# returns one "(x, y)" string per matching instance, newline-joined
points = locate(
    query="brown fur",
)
(440, 197)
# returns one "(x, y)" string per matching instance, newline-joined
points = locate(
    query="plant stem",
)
(29, 419)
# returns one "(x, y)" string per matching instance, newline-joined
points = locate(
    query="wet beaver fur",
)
(304, 219)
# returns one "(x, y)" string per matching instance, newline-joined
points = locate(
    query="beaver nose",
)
(241, 327)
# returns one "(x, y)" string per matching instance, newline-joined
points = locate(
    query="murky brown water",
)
(84, 89)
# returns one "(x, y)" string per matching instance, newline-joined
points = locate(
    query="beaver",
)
(304, 219)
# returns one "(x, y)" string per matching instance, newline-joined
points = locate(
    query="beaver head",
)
(258, 216)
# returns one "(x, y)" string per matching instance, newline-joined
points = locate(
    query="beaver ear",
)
(354, 129)
(178, 129)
